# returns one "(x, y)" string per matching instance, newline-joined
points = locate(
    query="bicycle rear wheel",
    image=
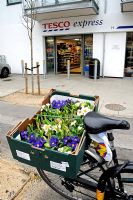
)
(82, 188)
(127, 180)
(122, 190)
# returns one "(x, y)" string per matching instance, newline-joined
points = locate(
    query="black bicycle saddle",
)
(96, 123)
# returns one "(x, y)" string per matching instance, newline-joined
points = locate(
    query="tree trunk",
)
(31, 45)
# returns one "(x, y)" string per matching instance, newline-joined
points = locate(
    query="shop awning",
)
(53, 9)
(126, 5)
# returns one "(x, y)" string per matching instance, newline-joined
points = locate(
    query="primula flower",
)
(79, 128)
(79, 113)
(32, 138)
(85, 110)
(24, 135)
(53, 142)
(42, 108)
(77, 104)
(40, 142)
(46, 127)
(73, 123)
(54, 127)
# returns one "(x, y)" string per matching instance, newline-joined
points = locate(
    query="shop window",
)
(129, 55)
(88, 48)
(12, 2)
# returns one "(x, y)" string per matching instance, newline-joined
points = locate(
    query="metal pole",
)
(68, 69)
(44, 69)
(104, 35)
(95, 70)
(26, 79)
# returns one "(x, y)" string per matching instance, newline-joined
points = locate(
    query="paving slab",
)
(12, 179)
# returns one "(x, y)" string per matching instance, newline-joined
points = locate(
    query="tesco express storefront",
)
(81, 38)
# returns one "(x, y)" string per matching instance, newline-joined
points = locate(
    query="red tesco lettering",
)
(60, 25)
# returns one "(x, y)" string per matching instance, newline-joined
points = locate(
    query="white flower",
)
(77, 104)
(79, 113)
(42, 108)
(48, 104)
(54, 128)
(61, 149)
(83, 104)
(73, 123)
(85, 110)
(59, 126)
(79, 128)
(46, 127)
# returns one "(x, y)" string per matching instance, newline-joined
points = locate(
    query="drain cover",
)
(115, 107)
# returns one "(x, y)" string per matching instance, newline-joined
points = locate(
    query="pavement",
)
(115, 100)
(115, 93)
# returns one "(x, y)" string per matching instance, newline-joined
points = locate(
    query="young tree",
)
(29, 18)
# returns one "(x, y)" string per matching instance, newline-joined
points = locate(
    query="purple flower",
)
(40, 142)
(58, 104)
(72, 145)
(53, 141)
(53, 103)
(68, 101)
(63, 103)
(32, 138)
(76, 139)
(24, 135)
(66, 140)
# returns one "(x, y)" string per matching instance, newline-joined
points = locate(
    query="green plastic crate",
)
(66, 165)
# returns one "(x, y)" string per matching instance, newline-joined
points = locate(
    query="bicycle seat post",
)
(111, 140)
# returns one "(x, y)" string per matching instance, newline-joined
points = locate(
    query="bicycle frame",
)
(111, 172)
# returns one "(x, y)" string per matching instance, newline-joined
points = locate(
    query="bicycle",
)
(97, 178)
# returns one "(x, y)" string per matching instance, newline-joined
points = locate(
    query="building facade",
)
(77, 30)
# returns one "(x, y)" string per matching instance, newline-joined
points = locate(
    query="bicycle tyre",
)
(84, 193)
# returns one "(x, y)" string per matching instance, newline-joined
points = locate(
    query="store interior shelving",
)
(129, 55)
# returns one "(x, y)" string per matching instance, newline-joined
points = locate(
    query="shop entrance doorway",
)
(129, 56)
(69, 48)
(77, 48)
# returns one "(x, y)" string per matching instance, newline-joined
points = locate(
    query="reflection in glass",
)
(88, 48)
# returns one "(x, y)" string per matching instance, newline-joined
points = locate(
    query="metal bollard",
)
(44, 70)
(68, 69)
(22, 65)
(95, 70)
